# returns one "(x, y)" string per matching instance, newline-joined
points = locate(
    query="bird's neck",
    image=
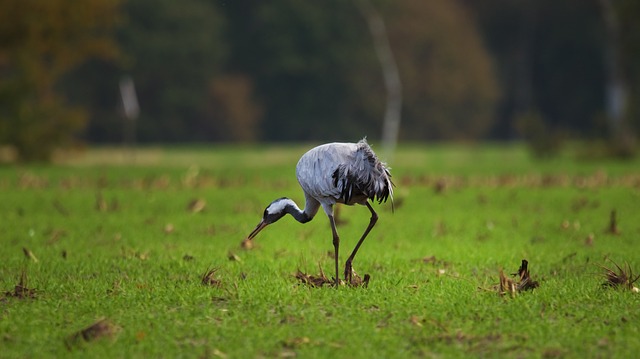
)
(301, 216)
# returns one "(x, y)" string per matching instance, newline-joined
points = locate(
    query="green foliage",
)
(549, 57)
(448, 80)
(175, 50)
(318, 73)
(313, 66)
(103, 246)
(40, 41)
(287, 70)
(291, 70)
(36, 127)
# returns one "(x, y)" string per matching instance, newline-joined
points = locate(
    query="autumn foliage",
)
(40, 41)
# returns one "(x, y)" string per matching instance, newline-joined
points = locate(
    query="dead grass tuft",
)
(103, 328)
(233, 257)
(314, 281)
(196, 205)
(21, 291)
(209, 278)
(523, 281)
(321, 279)
(622, 278)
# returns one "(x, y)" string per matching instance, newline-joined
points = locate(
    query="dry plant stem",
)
(613, 223)
(525, 282)
(507, 285)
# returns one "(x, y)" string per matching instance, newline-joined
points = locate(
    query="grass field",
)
(98, 236)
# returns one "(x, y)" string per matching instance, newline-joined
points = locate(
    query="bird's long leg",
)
(336, 246)
(372, 221)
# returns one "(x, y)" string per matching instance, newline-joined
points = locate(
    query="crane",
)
(347, 173)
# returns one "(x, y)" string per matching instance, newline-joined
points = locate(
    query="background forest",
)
(245, 71)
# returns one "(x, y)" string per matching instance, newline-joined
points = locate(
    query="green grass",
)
(497, 207)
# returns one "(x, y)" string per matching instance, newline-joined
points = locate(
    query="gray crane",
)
(347, 173)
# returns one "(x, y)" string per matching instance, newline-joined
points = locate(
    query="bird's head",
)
(274, 211)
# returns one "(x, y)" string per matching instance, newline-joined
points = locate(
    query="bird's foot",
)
(338, 283)
(352, 278)
(348, 272)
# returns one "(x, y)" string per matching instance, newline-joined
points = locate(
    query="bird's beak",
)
(255, 232)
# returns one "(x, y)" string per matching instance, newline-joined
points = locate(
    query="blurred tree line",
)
(249, 70)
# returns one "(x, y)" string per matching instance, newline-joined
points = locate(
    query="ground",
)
(107, 254)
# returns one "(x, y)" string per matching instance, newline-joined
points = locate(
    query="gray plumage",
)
(348, 173)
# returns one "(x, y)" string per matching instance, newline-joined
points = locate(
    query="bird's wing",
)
(339, 171)
(315, 169)
(363, 174)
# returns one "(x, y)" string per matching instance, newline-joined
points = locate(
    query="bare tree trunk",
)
(392, 116)
(131, 110)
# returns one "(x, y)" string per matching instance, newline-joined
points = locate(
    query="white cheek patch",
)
(279, 205)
